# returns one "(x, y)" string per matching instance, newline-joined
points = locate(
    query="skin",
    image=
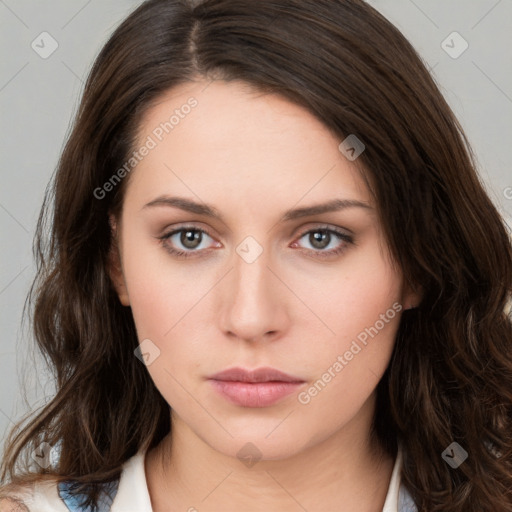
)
(289, 309)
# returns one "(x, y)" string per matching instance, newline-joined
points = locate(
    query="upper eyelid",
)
(173, 231)
(318, 227)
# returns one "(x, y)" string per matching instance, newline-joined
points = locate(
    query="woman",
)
(274, 280)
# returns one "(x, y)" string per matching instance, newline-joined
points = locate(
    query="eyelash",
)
(318, 253)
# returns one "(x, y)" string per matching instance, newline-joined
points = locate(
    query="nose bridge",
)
(251, 275)
(252, 305)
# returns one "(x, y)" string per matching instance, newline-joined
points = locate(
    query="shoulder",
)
(40, 496)
(13, 497)
(12, 504)
(50, 495)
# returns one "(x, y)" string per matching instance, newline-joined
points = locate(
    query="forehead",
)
(228, 135)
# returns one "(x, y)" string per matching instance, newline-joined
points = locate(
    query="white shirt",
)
(133, 496)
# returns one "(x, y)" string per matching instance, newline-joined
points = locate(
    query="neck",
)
(343, 472)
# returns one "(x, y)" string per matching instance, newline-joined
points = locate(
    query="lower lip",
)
(258, 394)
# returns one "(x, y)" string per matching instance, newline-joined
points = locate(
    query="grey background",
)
(38, 98)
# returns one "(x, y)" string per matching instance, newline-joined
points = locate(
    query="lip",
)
(261, 387)
(263, 374)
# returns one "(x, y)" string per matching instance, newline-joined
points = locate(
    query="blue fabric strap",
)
(405, 501)
(74, 500)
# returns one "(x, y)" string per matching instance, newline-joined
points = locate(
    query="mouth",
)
(254, 388)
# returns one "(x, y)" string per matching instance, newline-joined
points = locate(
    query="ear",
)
(114, 265)
(411, 296)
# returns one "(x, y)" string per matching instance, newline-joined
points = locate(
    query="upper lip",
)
(264, 374)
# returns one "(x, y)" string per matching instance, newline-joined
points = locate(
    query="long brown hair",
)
(450, 376)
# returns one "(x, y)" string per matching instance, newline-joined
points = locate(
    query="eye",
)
(188, 237)
(323, 237)
(191, 239)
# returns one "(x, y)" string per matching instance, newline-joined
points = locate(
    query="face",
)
(219, 274)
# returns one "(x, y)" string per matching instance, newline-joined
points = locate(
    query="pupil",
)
(319, 236)
(189, 237)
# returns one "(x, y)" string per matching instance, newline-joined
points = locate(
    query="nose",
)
(254, 301)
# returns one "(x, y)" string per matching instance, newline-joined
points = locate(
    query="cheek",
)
(367, 291)
(165, 304)
(362, 310)
(350, 298)
(161, 290)
(168, 301)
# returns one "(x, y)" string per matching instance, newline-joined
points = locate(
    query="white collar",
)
(391, 503)
(133, 493)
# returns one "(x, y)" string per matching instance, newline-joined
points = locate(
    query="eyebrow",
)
(210, 211)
